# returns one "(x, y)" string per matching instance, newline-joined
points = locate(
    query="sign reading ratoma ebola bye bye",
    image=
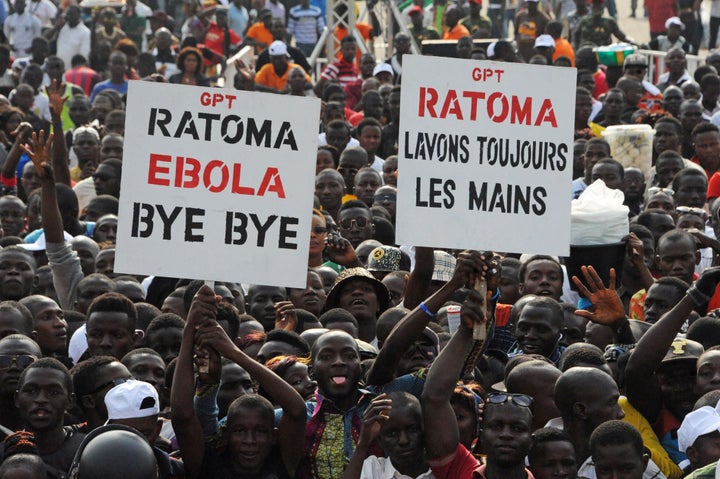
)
(217, 184)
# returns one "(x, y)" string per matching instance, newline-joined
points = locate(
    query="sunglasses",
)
(319, 230)
(656, 189)
(360, 222)
(109, 384)
(21, 360)
(427, 350)
(691, 210)
(517, 399)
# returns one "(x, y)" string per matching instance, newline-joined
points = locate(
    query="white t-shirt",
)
(380, 467)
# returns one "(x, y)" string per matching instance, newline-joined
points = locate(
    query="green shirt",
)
(476, 24)
(599, 33)
(425, 33)
(707, 472)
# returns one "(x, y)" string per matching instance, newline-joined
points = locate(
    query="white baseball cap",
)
(132, 399)
(491, 50)
(278, 49)
(383, 67)
(674, 21)
(545, 41)
(698, 423)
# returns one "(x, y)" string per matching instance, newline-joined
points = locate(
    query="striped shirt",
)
(342, 71)
(84, 77)
(305, 24)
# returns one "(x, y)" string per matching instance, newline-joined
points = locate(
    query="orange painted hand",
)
(608, 308)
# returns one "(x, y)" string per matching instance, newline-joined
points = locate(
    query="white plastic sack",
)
(598, 216)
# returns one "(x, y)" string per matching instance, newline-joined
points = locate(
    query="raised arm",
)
(60, 163)
(653, 346)
(441, 430)
(39, 153)
(292, 424)
(411, 326)
(22, 135)
(419, 281)
(375, 415)
(185, 423)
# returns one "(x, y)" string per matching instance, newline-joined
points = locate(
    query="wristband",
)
(426, 310)
(496, 295)
(697, 296)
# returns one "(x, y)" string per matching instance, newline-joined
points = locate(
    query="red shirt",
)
(461, 465)
(659, 11)
(84, 77)
(215, 38)
(601, 85)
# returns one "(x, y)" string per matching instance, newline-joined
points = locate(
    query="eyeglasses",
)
(319, 230)
(101, 177)
(656, 189)
(21, 360)
(360, 222)
(691, 210)
(380, 198)
(109, 384)
(517, 399)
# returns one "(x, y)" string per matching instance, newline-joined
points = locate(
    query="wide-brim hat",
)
(381, 292)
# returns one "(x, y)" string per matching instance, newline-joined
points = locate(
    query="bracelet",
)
(426, 310)
(697, 296)
(496, 295)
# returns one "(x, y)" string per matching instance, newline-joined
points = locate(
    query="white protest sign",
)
(217, 184)
(485, 155)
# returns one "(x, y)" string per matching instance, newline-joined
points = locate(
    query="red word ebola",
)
(215, 176)
(497, 106)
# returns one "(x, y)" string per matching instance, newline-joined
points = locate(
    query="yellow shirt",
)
(650, 440)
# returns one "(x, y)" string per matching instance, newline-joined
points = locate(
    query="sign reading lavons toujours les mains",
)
(485, 155)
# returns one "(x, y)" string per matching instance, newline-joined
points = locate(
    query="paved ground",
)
(637, 28)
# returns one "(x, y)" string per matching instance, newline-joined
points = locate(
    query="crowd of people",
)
(394, 361)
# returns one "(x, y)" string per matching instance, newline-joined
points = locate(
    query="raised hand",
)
(375, 415)
(39, 152)
(608, 307)
(708, 281)
(22, 132)
(202, 309)
(285, 316)
(635, 249)
(212, 336)
(55, 95)
(341, 251)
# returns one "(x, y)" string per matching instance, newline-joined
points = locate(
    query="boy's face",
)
(555, 459)
(261, 304)
(506, 433)
(402, 437)
(618, 461)
(166, 342)
(543, 278)
(148, 368)
(297, 376)
(250, 438)
(42, 399)
(108, 334)
(336, 364)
